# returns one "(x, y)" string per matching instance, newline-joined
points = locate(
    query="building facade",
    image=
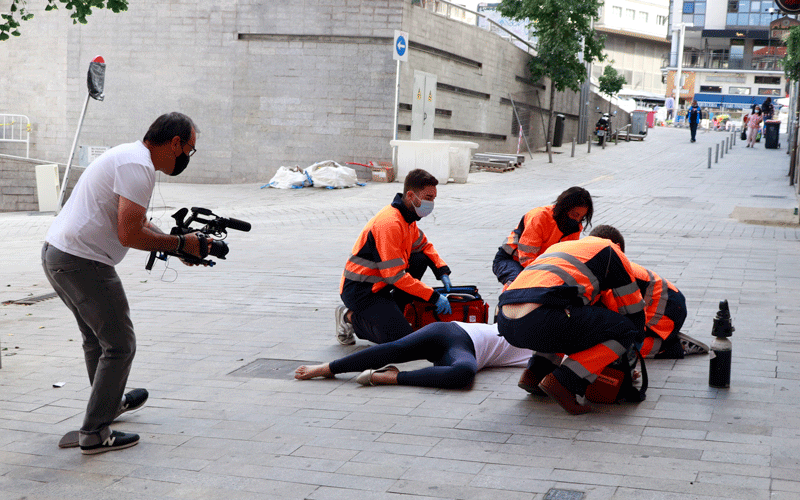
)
(636, 39)
(730, 57)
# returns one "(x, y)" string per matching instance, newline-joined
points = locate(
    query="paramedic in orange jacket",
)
(549, 309)
(387, 262)
(540, 228)
(665, 310)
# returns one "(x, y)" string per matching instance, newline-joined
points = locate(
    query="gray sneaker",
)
(345, 333)
(692, 345)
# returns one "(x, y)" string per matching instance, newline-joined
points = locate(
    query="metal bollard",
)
(727, 144)
(589, 142)
(722, 150)
(733, 135)
(573, 147)
(549, 154)
(616, 138)
(716, 154)
(721, 349)
(709, 157)
(605, 140)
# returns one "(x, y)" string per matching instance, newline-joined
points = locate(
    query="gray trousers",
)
(94, 294)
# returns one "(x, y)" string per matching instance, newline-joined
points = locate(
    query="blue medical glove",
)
(446, 282)
(443, 305)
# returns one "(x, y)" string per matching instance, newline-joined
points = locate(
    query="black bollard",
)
(719, 373)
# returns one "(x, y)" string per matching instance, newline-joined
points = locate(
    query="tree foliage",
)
(562, 27)
(611, 82)
(18, 12)
(566, 41)
(791, 63)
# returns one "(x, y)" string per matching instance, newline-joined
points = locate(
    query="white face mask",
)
(425, 207)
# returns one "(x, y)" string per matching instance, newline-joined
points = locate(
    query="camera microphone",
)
(237, 224)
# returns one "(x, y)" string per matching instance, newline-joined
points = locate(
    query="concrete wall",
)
(268, 83)
(18, 183)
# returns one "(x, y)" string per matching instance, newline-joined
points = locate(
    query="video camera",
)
(216, 227)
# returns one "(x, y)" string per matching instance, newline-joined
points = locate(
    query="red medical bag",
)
(465, 301)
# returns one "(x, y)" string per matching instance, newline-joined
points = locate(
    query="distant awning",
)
(728, 101)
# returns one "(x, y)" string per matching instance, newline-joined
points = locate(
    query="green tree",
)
(566, 41)
(611, 83)
(791, 66)
(18, 12)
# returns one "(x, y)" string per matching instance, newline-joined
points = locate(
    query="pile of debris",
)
(495, 162)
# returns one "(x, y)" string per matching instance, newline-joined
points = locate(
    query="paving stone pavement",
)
(210, 434)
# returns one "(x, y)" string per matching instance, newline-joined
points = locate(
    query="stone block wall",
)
(18, 183)
(268, 83)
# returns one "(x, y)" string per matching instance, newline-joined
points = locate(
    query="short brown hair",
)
(418, 179)
(609, 233)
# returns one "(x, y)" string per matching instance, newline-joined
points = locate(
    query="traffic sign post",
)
(399, 53)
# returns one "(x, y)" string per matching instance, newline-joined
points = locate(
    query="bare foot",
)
(306, 372)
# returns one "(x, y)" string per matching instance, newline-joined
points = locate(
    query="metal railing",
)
(16, 128)
(467, 16)
(698, 59)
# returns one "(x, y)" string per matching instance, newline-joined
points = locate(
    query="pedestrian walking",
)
(669, 103)
(693, 115)
(753, 124)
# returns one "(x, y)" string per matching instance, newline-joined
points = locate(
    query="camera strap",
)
(203, 241)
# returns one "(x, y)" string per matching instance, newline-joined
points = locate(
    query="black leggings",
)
(446, 345)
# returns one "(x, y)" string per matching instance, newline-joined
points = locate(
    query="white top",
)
(87, 224)
(493, 350)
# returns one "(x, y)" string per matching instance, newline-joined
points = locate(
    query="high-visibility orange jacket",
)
(535, 233)
(380, 256)
(576, 273)
(655, 291)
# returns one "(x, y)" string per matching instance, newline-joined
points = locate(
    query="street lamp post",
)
(682, 28)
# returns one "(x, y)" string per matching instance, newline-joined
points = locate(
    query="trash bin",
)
(558, 133)
(771, 131)
(460, 156)
(651, 119)
(430, 155)
(639, 122)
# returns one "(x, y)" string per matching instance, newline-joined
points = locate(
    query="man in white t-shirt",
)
(104, 216)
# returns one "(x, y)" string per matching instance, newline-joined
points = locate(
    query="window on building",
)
(688, 7)
(768, 80)
(711, 89)
(617, 11)
(739, 90)
(733, 6)
(767, 54)
(630, 14)
(769, 92)
(661, 20)
(643, 16)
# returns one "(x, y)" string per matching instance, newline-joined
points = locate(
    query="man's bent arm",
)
(134, 231)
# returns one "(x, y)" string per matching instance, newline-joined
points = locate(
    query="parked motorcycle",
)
(603, 128)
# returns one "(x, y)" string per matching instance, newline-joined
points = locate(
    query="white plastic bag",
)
(290, 178)
(329, 174)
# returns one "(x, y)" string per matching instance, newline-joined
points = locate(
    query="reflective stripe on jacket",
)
(656, 293)
(381, 254)
(535, 233)
(575, 273)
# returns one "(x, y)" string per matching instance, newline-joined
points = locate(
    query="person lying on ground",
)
(457, 350)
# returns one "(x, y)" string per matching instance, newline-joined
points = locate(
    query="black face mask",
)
(181, 163)
(567, 226)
